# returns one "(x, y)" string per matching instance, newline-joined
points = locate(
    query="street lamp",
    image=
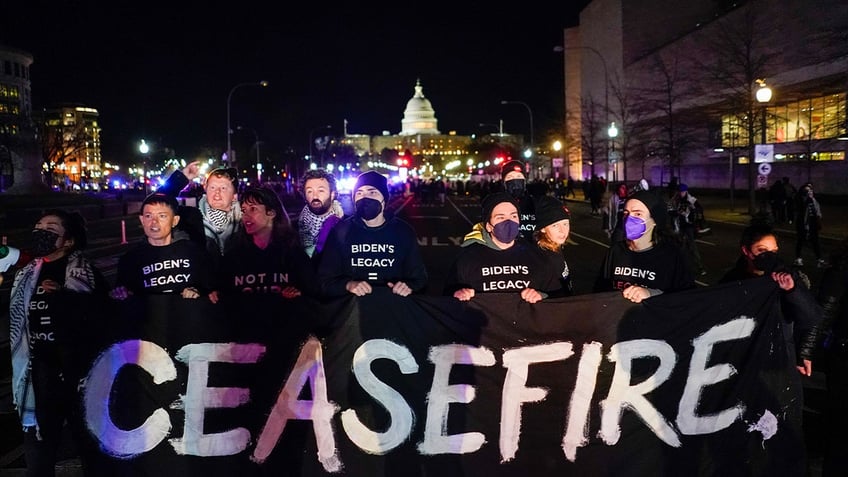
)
(500, 127)
(258, 164)
(311, 132)
(763, 96)
(263, 84)
(557, 161)
(529, 113)
(144, 149)
(612, 132)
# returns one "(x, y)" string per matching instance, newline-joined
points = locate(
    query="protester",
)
(321, 212)
(612, 213)
(808, 224)
(371, 248)
(53, 301)
(553, 222)
(269, 259)
(595, 193)
(800, 313)
(833, 296)
(777, 201)
(166, 261)
(686, 212)
(493, 257)
(647, 262)
(515, 183)
(220, 214)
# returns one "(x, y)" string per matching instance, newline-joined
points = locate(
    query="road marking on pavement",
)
(589, 239)
(460, 212)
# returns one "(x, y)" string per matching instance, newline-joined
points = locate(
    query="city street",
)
(440, 229)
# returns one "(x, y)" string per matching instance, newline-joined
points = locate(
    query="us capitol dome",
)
(419, 116)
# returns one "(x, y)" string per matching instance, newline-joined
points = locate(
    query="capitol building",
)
(433, 153)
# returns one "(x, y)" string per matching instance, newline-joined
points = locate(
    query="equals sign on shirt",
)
(372, 275)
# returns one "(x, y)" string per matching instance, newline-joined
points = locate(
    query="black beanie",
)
(375, 180)
(492, 200)
(550, 210)
(655, 206)
(510, 166)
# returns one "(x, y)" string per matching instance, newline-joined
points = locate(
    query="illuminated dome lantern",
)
(419, 116)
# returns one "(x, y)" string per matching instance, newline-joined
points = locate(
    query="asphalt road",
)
(440, 228)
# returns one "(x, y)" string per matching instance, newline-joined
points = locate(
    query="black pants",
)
(57, 404)
(811, 236)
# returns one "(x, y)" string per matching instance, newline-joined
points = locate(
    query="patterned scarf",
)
(309, 224)
(79, 277)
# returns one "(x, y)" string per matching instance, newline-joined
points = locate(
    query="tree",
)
(738, 59)
(672, 128)
(60, 142)
(590, 132)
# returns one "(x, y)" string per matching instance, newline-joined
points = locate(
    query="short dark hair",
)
(318, 174)
(74, 225)
(161, 198)
(754, 233)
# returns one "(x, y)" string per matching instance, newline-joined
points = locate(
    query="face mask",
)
(367, 208)
(505, 231)
(514, 187)
(766, 261)
(634, 227)
(43, 242)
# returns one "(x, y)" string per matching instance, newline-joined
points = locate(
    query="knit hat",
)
(375, 180)
(655, 206)
(510, 166)
(492, 200)
(550, 210)
(683, 188)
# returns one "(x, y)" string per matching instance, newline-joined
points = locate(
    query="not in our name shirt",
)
(662, 267)
(168, 269)
(249, 269)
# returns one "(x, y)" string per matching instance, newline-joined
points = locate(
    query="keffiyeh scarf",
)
(79, 277)
(309, 224)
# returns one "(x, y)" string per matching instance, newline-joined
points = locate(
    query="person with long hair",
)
(268, 258)
(553, 226)
(647, 262)
(51, 308)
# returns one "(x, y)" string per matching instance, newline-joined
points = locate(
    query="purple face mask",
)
(634, 227)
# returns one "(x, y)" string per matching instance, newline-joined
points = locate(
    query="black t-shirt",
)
(167, 269)
(487, 270)
(661, 267)
(249, 269)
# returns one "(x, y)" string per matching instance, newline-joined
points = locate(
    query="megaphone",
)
(641, 185)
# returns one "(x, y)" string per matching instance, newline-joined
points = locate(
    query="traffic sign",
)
(764, 168)
(762, 180)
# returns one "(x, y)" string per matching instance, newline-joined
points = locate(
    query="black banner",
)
(693, 383)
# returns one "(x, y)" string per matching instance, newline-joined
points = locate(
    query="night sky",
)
(164, 74)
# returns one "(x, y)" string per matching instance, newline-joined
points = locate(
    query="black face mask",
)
(767, 262)
(368, 209)
(43, 242)
(515, 187)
